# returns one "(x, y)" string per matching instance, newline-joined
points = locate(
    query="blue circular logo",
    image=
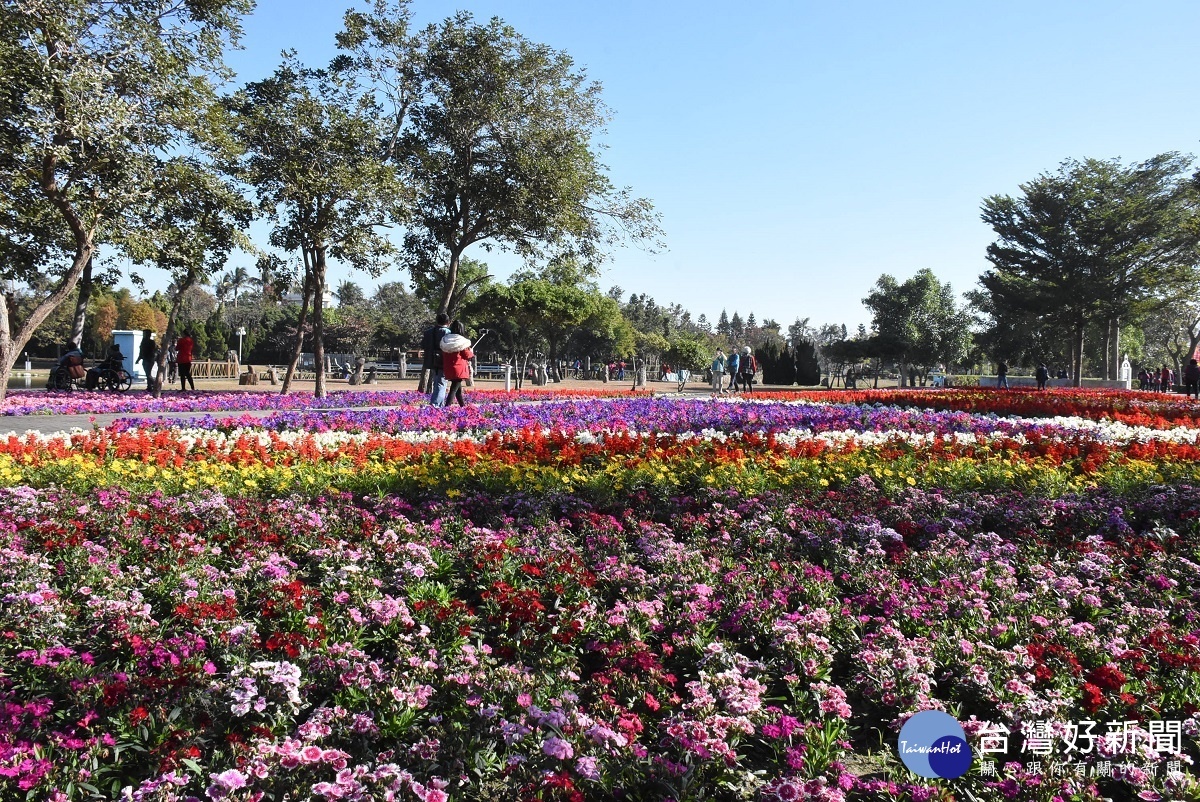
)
(932, 744)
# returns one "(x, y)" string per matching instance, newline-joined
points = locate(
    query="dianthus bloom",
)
(557, 747)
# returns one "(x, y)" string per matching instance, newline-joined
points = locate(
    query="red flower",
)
(1093, 697)
(138, 715)
(1108, 677)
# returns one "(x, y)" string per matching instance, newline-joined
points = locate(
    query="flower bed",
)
(41, 402)
(597, 600)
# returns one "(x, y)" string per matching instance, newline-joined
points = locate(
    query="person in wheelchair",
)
(113, 364)
(68, 368)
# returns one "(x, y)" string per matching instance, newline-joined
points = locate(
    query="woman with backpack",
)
(747, 367)
(456, 361)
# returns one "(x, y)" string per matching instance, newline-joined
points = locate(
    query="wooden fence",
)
(212, 369)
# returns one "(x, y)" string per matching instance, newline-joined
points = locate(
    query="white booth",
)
(131, 346)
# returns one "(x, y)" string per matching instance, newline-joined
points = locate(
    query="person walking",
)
(1191, 379)
(747, 367)
(718, 373)
(731, 367)
(1043, 376)
(431, 354)
(183, 361)
(1002, 376)
(148, 356)
(1167, 380)
(172, 360)
(456, 361)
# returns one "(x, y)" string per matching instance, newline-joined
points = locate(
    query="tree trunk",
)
(555, 373)
(81, 304)
(1077, 357)
(12, 344)
(451, 281)
(298, 348)
(1115, 339)
(319, 319)
(422, 380)
(170, 332)
(1107, 348)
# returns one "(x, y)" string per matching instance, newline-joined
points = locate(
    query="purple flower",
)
(558, 748)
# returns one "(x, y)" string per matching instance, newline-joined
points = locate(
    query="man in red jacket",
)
(184, 361)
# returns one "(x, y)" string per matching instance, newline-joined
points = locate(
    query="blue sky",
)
(798, 150)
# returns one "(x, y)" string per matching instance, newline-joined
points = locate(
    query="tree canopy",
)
(1098, 240)
(95, 92)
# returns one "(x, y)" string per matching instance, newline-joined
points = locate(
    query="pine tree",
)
(736, 327)
(723, 324)
(807, 367)
(750, 323)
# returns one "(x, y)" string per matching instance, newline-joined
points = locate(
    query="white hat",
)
(746, 350)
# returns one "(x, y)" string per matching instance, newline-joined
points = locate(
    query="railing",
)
(211, 369)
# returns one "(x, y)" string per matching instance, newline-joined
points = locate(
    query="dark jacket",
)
(1191, 374)
(431, 353)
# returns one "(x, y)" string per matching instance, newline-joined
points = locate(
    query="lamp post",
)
(241, 332)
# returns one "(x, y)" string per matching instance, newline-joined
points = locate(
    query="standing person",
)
(1002, 376)
(731, 367)
(172, 360)
(747, 367)
(1043, 375)
(456, 361)
(183, 360)
(148, 355)
(1191, 379)
(432, 355)
(621, 371)
(1167, 380)
(718, 373)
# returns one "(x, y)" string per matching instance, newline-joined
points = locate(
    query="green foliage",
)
(82, 130)
(776, 363)
(1094, 241)
(689, 352)
(918, 322)
(807, 366)
(494, 135)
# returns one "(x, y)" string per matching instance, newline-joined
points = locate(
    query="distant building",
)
(296, 298)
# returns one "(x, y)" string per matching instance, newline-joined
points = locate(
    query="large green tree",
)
(1092, 244)
(917, 322)
(495, 134)
(310, 151)
(94, 92)
(195, 220)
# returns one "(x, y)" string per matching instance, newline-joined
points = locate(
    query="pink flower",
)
(558, 748)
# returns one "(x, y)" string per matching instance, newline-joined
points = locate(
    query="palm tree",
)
(233, 282)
